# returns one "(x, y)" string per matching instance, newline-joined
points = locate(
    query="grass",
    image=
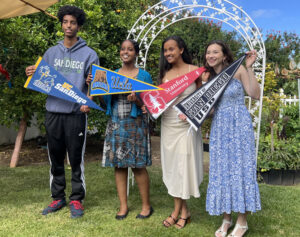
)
(25, 192)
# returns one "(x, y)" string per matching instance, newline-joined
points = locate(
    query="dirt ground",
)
(35, 153)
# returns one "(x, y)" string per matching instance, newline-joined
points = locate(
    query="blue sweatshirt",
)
(74, 64)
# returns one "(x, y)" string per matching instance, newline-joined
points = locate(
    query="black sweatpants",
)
(66, 133)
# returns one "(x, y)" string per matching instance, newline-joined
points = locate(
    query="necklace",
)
(130, 73)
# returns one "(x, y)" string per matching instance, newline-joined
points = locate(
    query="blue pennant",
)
(106, 81)
(48, 81)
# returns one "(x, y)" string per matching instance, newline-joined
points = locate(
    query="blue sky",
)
(268, 15)
(283, 15)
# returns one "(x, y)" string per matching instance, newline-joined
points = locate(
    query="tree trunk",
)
(18, 143)
(272, 136)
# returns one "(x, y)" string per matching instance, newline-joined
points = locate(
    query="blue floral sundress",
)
(232, 170)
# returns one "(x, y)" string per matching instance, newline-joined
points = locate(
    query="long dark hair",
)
(164, 66)
(226, 51)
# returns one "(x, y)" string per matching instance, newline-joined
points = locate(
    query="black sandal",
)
(168, 223)
(186, 221)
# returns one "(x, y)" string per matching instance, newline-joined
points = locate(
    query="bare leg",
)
(185, 214)
(174, 215)
(184, 210)
(121, 183)
(225, 226)
(242, 221)
(142, 179)
(242, 218)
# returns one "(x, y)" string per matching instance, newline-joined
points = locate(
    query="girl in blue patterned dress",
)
(232, 171)
(127, 139)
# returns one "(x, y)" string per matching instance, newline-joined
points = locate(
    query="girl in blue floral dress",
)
(232, 172)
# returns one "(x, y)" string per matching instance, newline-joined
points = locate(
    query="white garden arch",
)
(167, 12)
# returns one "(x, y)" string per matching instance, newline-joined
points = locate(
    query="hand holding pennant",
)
(198, 105)
(48, 81)
(158, 101)
(106, 82)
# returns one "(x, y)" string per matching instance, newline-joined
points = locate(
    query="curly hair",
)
(73, 11)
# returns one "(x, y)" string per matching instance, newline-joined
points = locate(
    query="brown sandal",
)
(168, 223)
(186, 221)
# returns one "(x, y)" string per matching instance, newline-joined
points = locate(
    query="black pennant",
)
(198, 104)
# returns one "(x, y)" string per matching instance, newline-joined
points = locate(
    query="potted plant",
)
(279, 151)
(282, 165)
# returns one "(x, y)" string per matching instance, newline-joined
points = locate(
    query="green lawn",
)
(25, 192)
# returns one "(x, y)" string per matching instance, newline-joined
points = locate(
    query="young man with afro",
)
(66, 122)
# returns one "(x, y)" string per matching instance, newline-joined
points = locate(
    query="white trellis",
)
(167, 12)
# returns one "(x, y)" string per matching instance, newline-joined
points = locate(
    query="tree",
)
(272, 102)
(22, 40)
(283, 49)
(25, 38)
